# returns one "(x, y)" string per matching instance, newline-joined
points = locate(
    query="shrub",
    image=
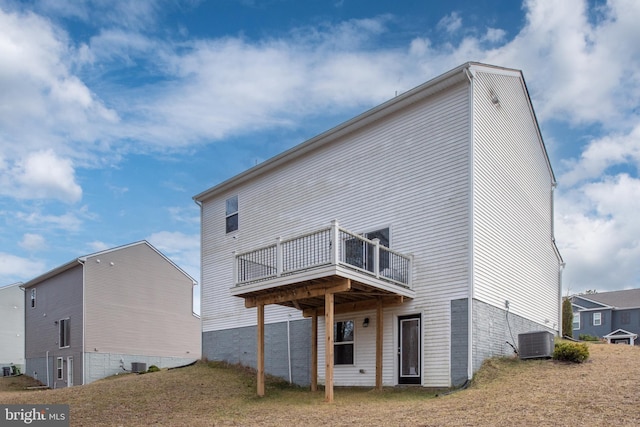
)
(587, 337)
(153, 368)
(571, 352)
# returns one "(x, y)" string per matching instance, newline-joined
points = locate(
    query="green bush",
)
(153, 368)
(587, 337)
(571, 352)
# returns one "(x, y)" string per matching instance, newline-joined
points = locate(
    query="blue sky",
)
(113, 114)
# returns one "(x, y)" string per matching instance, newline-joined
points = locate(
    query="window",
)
(576, 320)
(343, 343)
(63, 327)
(360, 254)
(33, 298)
(59, 368)
(597, 319)
(231, 213)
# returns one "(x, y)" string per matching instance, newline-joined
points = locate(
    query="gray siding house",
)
(96, 315)
(404, 246)
(614, 316)
(11, 328)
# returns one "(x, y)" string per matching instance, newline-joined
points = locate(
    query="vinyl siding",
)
(408, 171)
(514, 256)
(12, 326)
(137, 302)
(59, 297)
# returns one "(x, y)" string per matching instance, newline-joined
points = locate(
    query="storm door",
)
(409, 350)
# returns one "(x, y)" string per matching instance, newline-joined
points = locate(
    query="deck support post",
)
(260, 380)
(328, 359)
(314, 352)
(379, 335)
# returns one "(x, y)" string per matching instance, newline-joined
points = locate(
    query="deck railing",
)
(317, 249)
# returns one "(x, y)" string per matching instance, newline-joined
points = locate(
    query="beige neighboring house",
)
(117, 310)
(11, 329)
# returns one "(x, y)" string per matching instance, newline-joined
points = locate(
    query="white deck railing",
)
(316, 249)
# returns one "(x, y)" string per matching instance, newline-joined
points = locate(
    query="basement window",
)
(231, 214)
(343, 343)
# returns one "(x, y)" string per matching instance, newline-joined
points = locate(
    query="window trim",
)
(576, 316)
(64, 332)
(351, 343)
(597, 315)
(60, 368)
(228, 214)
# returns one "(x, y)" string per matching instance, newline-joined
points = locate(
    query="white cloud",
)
(40, 175)
(14, 268)
(451, 23)
(33, 242)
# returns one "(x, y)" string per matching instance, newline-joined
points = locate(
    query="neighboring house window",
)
(343, 343)
(360, 255)
(59, 367)
(232, 214)
(63, 326)
(625, 317)
(576, 320)
(33, 298)
(597, 319)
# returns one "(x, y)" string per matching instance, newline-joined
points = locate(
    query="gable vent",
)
(532, 345)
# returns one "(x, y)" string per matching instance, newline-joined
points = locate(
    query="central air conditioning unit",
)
(137, 367)
(535, 345)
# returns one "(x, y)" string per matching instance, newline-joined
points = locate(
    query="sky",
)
(114, 114)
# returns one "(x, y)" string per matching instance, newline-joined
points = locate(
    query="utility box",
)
(535, 345)
(137, 367)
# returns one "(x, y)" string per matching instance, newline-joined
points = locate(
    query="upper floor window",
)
(576, 320)
(33, 298)
(597, 319)
(343, 343)
(231, 214)
(64, 330)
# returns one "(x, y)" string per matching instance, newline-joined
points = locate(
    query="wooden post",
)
(379, 330)
(260, 350)
(328, 358)
(314, 352)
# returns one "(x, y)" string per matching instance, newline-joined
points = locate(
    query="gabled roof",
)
(464, 72)
(620, 333)
(629, 298)
(82, 259)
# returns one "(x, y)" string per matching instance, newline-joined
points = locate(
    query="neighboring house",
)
(614, 316)
(453, 177)
(11, 329)
(98, 314)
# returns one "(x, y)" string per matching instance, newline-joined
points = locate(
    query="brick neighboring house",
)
(614, 316)
(100, 314)
(442, 252)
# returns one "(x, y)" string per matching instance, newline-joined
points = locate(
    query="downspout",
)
(471, 231)
(47, 363)
(84, 322)
(289, 348)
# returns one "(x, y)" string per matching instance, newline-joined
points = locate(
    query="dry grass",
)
(506, 392)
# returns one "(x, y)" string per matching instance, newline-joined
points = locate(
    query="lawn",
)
(505, 392)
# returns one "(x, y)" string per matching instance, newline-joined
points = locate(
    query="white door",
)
(69, 371)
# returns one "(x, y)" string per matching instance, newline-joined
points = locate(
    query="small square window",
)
(231, 214)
